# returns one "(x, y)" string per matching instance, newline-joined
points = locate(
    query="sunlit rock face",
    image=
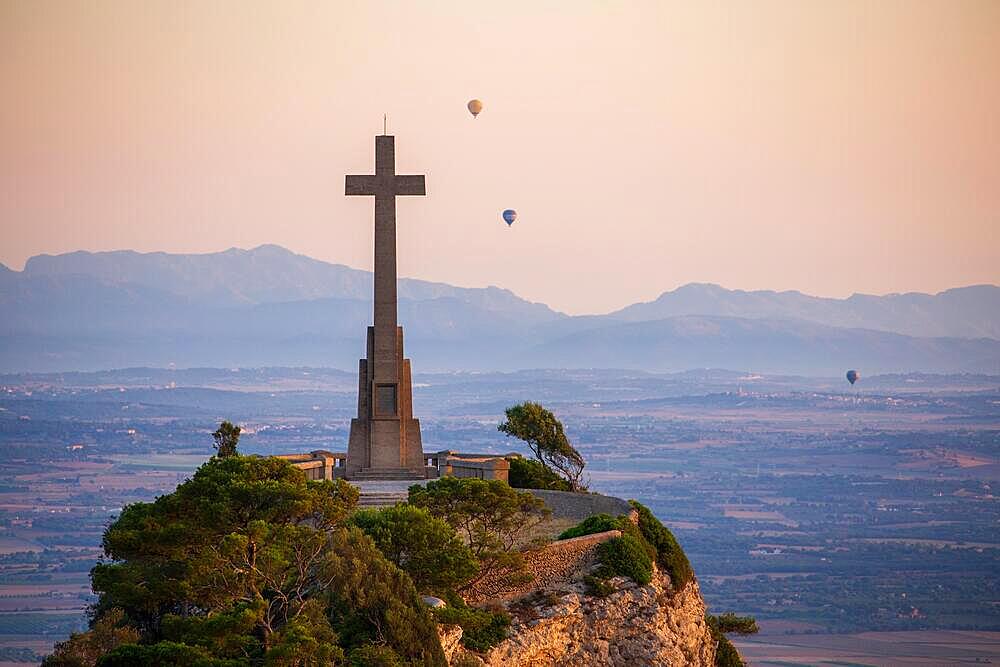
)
(634, 625)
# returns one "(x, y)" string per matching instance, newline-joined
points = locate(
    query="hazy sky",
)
(829, 147)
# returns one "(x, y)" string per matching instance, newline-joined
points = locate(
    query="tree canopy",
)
(422, 545)
(493, 518)
(226, 437)
(530, 474)
(250, 563)
(86, 648)
(726, 654)
(544, 435)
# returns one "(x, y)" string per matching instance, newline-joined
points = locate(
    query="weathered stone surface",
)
(554, 564)
(578, 506)
(635, 625)
(451, 638)
(556, 621)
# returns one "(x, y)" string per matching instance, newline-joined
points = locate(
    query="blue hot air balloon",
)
(509, 216)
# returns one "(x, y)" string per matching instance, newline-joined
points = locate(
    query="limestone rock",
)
(451, 637)
(634, 625)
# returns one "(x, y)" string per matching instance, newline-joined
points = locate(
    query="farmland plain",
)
(858, 525)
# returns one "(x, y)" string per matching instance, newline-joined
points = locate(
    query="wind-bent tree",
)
(226, 437)
(544, 435)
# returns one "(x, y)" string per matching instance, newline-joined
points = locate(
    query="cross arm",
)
(361, 185)
(410, 185)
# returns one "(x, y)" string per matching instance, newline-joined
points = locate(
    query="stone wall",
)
(318, 464)
(553, 564)
(578, 506)
(485, 467)
(321, 464)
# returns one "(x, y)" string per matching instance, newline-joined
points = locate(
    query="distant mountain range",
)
(269, 306)
(965, 312)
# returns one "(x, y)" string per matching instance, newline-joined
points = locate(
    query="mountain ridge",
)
(269, 306)
(912, 313)
(265, 274)
(297, 277)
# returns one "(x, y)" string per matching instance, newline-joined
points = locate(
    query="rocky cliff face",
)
(633, 625)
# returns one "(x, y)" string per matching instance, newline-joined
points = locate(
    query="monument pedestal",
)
(385, 438)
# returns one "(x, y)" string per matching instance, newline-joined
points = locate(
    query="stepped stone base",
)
(387, 474)
(385, 438)
(381, 499)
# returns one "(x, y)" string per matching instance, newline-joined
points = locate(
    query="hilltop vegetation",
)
(640, 544)
(249, 563)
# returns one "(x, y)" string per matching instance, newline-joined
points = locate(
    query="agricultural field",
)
(851, 523)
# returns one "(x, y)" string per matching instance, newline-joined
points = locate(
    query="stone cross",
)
(385, 438)
(385, 185)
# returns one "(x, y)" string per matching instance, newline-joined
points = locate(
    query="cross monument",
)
(385, 438)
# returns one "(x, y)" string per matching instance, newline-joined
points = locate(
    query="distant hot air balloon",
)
(475, 106)
(852, 376)
(509, 216)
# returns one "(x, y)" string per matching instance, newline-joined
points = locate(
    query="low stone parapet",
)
(553, 564)
(579, 506)
(491, 467)
(318, 464)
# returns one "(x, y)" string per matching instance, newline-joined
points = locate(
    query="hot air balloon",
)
(509, 216)
(475, 106)
(852, 376)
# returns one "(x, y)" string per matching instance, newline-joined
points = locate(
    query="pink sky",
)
(829, 147)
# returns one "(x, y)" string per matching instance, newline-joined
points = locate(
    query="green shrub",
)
(597, 523)
(481, 629)
(371, 601)
(374, 655)
(650, 537)
(305, 641)
(530, 474)
(625, 556)
(726, 654)
(162, 654)
(466, 660)
(730, 622)
(106, 633)
(669, 554)
(492, 518)
(599, 588)
(423, 546)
